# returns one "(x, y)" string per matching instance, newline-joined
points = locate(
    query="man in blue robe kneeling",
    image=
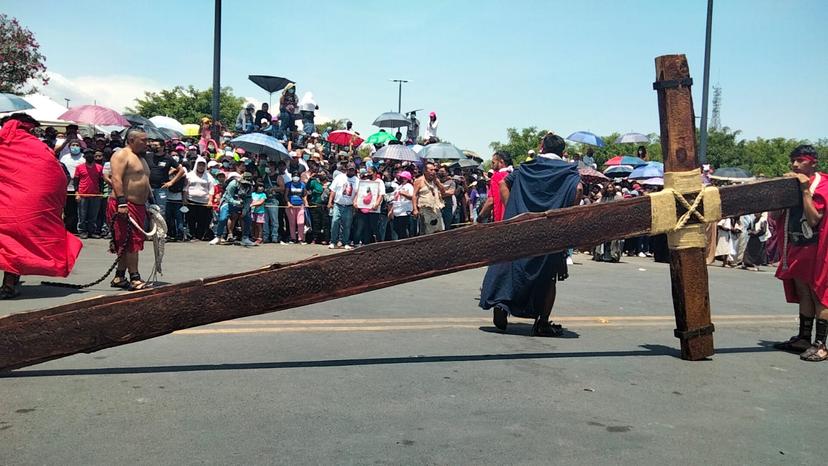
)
(526, 288)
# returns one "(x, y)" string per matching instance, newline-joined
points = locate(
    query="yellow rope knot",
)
(664, 214)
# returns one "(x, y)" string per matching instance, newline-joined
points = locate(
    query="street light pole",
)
(67, 101)
(706, 85)
(399, 95)
(216, 67)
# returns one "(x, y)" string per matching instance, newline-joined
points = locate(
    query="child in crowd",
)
(257, 206)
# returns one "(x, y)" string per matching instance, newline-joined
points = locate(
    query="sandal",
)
(8, 292)
(794, 345)
(816, 353)
(548, 329)
(137, 285)
(119, 282)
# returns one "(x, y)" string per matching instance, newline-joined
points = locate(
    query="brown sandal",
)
(138, 285)
(119, 282)
(816, 353)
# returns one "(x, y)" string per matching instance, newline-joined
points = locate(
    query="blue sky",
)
(481, 65)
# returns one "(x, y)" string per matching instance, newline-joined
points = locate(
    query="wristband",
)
(122, 200)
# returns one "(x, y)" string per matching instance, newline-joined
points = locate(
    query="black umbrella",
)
(138, 120)
(152, 133)
(270, 84)
(392, 120)
(170, 133)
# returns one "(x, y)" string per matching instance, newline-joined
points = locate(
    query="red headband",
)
(808, 157)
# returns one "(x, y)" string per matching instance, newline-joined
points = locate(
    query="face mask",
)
(175, 157)
(267, 170)
(295, 179)
(215, 171)
(74, 150)
(228, 152)
(211, 149)
(306, 156)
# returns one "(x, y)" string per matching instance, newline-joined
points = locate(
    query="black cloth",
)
(262, 114)
(198, 221)
(520, 286)
(159, 166)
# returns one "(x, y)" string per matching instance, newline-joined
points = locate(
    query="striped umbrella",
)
(13, 103)
(397, 152)
(94, 115)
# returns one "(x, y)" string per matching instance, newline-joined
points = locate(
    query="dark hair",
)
(504, 156)
(641, 149)
(21, 117)
(553, 144)
(133, 130)
(804, 149)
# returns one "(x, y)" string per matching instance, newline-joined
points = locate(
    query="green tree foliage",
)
(333, 124)
(188, 105)
(519, 142)
(20, 58)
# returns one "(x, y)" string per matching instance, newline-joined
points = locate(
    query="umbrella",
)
(441, 151)
(591, 175)
(138, 120)
(465, 163)
(731, 174)
(654, 182)
(261, 143)
(472, 155)
(343, 137)
(13, 103)
(618, 171)
(153, 133)
(270, 84)
(392, 120)
(170, 133)
(191, 129)
(651, 170)
(417, 148)
(380, 138)
(586, 137)
(625, 160)
(94, 115)
(167, 122)
(632, 138)
(397, 152)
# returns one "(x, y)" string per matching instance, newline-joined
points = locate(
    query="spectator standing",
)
(160, 165)
(341, 200)
(258, 199)
(297, 197)
(87, 180)
(428, 201)
(317, 208)
(199, 189)
(72, 159)
(401, 206)
(274, 186)
(431, 128)
(449, 204)
(287, 107)
(501, 166)
(307, 108)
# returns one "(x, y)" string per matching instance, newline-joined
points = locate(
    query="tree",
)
(518, 143)
(334, 124)
(20, 58)
(189, 105)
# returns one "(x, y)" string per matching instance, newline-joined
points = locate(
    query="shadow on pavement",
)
(524, 329)
(647, 350)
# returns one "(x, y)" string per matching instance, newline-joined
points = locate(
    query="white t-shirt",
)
(199, 188)
(402, 206)
(431, 129)
(72, 162)
(344, 189)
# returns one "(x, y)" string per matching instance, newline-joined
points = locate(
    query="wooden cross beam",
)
(98, 323)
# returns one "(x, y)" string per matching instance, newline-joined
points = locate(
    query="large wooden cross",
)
(98, 323)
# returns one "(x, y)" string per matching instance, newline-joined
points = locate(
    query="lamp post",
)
(399, 95)
(67, 101)
(216, 67)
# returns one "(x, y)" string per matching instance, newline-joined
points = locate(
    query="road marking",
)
(446, 326)
(432, 320)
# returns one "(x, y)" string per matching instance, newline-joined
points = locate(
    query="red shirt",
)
(89, 178)
(498, 209)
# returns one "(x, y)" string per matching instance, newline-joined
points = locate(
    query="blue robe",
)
(520, 286)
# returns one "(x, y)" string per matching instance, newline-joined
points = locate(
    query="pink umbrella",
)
(344, 138)
(94, 115)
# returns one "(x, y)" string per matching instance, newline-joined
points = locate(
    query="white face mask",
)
(295, 179)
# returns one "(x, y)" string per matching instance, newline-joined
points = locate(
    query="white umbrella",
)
(632, 138)
(167, 122)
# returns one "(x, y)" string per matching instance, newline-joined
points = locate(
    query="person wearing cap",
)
(401, 206)
(87, 180)
(235, 205)
(199, 187)
(297, 163)
(341, 203)
(307, 108)
(245, 121)
(431, 127)
(803, 267)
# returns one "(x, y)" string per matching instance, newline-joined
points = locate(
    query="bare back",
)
(130, 176)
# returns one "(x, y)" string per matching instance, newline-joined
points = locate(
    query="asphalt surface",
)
(416, 374)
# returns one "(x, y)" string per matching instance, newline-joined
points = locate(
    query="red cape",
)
(33, 240)
(809, 263)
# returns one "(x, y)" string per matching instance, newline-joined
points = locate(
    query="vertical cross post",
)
(688, 267)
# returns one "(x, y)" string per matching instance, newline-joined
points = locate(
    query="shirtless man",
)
(130, 191)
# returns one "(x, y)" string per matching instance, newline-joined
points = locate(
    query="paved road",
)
(415, 374)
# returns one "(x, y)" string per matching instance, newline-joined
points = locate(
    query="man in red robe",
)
(33, 239)
(804, 264)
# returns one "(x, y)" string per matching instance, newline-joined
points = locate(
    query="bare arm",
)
(415, 211)
(504, 192)
(178, 174)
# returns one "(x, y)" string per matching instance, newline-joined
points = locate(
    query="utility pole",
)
(67, 101)
(706, 85)
(399, 95)
(216, 67)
